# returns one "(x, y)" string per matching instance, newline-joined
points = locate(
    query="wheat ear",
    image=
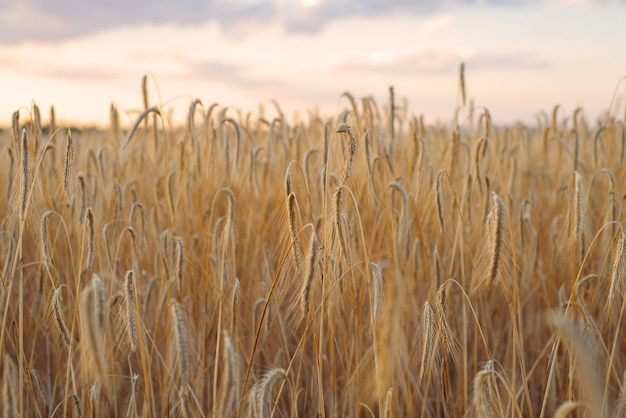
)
(486, 402)
(182, 345)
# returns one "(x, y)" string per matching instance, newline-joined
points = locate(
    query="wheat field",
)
(363, 264)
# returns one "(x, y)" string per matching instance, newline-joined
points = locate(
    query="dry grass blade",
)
(567, 408)
(141, 117)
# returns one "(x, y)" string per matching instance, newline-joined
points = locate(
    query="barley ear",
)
(577, 217)
(428, 336)
(234, 306)
(91, 337)
(377, 291)
(345, 128)
(78, 407)
(94, 401)
(40, 388)
(388, 407)
(58, 318)
(486, 402)
(439, 201)
(179, 274)
(309, 275)
(130, 310)
(67, 174)
(617, 275)
(620, 406)
(25, 175)
(91, 239)
(566, 409)
(264, 390)
(182, 345)
(9, 388)
(293, 228)
(343, 245)
(495, 232)
(135, 126)
(443, 317)
(45, 241)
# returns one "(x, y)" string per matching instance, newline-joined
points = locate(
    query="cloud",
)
(437, 22)
(53, 20)
(45, 20)
(226, 72)
(411, 61)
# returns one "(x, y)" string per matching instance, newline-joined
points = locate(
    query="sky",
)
(521, 57)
